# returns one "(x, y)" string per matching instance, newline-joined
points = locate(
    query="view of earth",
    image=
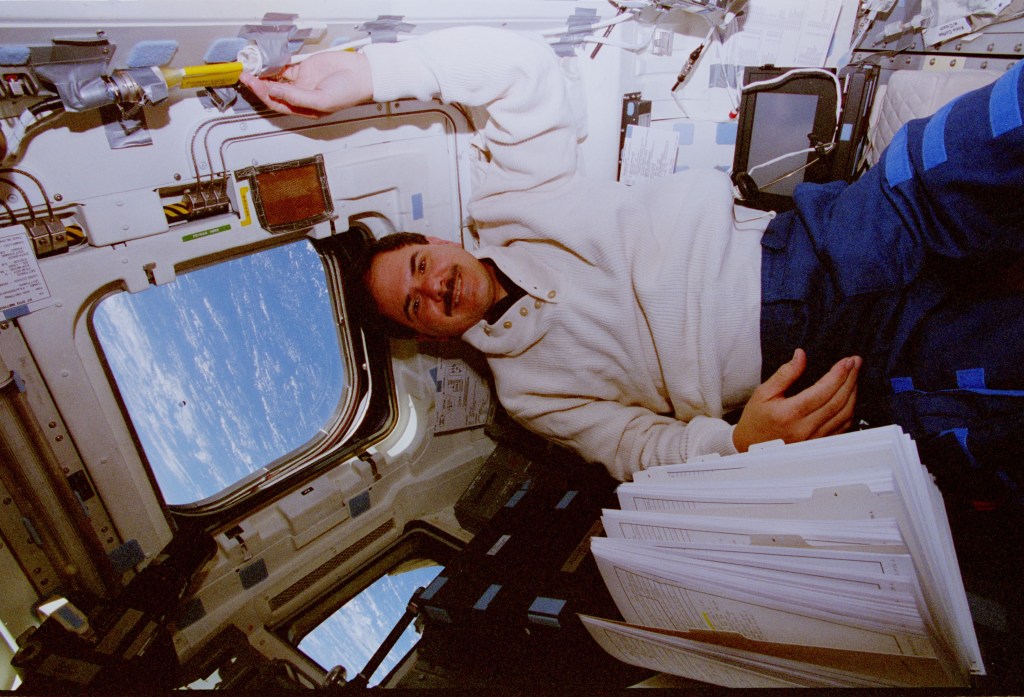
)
(353, 633)
(225, 370)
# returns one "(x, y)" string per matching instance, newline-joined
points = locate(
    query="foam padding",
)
(14, 55)
(224, 50)
(148, 54)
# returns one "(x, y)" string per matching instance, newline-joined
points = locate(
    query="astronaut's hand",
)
(823, 409)
(323, 83)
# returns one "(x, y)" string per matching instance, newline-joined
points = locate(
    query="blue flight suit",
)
(911, 267)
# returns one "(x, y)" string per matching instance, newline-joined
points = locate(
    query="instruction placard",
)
(21, 281)
(648, 153)
(463, 398)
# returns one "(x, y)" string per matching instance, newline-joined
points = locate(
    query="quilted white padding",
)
(911, 94)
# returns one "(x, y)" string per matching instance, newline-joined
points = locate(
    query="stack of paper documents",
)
(819, 564)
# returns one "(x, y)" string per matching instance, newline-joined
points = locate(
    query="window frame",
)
(357, 421)
(418, 541)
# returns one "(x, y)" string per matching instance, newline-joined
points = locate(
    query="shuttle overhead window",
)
(227, 369)
(352, 635)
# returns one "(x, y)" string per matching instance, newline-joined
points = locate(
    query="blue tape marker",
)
(417, 206)
(514, 499)
(147, 54)
(897, 159)
(359, 504)
(1004, 104)
(72, 618)
(545, 611)
(14, 55)
(933, 145)
(901, 385)
(684, 132)
(547, 606)
(433, 588)
(15, 312)
(127, 555)
(725, 133)
(972, 379)
(566, 500)
(224, 50)
(487, 597)
(255, 573)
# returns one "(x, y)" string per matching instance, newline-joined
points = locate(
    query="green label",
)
(205, 233)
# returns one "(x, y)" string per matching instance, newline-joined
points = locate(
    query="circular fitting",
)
(251, 59)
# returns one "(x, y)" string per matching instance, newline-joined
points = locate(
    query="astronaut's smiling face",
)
(437, 289)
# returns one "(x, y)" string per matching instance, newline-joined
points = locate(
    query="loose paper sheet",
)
(648, 153)
(785, 33)
(462, 399)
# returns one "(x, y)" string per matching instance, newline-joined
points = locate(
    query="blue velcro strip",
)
(547, 606)
(973, 379)
(147, 54)
(933, 146)
(1004, 104)
(359, 504)
(253, 574)
(224, 50)
(127, 555)
(725, 133)
(15, 312)
(72, 618)
(433, 588)
(417, 206)
(901, 385)
(14, 55)
(545, 611)
(487, 597)
(514, 499)
(897, 159)
(566, 500)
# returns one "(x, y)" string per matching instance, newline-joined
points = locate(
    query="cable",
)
(602, 41)
(547, 33)
(795, 71)
(608, 30)
(14, 218)
(772, 161)
(691, 60)
(617, 19)
(24, 196)
(39, 184)
(713, 37)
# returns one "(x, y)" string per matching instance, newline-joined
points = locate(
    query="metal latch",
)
(48, 236)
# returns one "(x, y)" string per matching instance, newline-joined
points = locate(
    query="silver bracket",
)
(277, 38)
(47, 236)
(368, 459)
(385, 28)
(580, 25)
(75, 67)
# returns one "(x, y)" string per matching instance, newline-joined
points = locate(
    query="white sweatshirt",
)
(640, 326)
